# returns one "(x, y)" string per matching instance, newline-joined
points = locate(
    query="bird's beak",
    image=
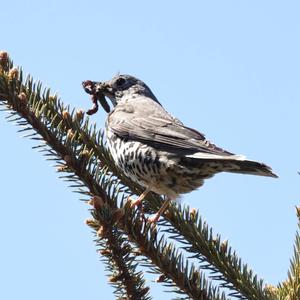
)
(98, 90)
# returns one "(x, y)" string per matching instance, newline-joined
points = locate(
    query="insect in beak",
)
(96, 90)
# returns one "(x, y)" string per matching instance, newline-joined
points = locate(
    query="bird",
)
(156, 150)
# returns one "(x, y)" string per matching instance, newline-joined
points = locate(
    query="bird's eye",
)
(120, 81)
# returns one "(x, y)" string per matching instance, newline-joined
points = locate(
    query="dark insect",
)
(89, 87)
(94, 109)
(104, 103)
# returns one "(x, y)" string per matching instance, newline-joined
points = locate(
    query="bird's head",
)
(119, 88)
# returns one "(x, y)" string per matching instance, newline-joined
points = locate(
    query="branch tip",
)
(13, 73)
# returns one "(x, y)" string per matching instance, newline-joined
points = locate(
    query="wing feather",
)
(158, 128)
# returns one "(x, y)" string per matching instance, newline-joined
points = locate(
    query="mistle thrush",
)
(154, 149)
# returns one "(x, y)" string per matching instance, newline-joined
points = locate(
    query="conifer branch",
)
(115, 247)
(31, 109)
(290, 289)
(160, 256)
(187, 227)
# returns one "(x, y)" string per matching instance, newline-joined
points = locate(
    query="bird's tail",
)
(250, 167)
(233, 164)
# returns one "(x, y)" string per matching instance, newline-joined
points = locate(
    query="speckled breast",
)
(138, 161)
(163, 172)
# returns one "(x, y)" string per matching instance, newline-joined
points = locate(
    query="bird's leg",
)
(139, 200)
(163, 208)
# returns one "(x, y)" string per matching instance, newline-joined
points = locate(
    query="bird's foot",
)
(139, 204)
(153, 219)
(135, 202)
(138, 201)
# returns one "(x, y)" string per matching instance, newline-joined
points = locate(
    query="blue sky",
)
(227, 68)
